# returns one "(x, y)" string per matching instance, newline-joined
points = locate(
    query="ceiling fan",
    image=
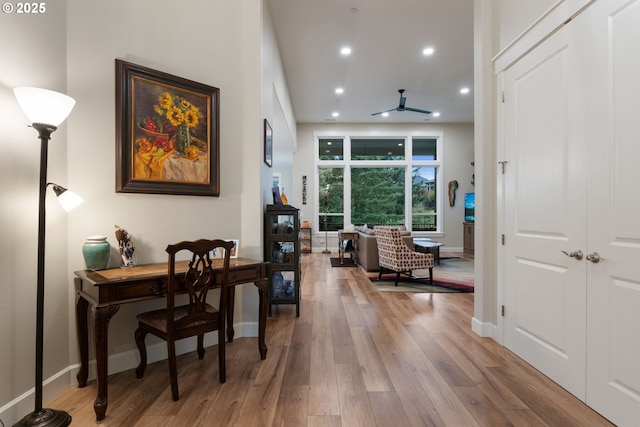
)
(401, 106)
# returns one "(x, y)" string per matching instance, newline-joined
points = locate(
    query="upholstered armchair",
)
(395, 255)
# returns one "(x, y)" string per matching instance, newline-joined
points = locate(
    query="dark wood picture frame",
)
(268, 144)
(167, 133)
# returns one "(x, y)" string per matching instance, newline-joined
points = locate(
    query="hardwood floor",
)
(354, 357)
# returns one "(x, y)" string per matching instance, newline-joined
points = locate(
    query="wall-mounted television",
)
(470, 207)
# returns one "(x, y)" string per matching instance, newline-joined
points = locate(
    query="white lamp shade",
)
(43, 105)
(70, 200)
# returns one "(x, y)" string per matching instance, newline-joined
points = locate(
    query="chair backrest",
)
(390, 245)
(198, 279)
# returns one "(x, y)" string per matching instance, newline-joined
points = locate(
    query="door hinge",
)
(502, 238)
(503, 97)
(502, 163)
(502, 311)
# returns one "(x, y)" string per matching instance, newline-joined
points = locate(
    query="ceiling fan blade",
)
(416, 110)
(386, 111)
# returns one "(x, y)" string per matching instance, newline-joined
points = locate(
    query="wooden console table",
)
(107, 289)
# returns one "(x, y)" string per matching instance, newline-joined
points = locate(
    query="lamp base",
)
(326, 251)
(45, 417)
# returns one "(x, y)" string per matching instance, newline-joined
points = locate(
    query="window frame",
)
(407, 163)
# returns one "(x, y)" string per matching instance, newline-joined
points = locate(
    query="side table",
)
(428, 246)
(347, 235)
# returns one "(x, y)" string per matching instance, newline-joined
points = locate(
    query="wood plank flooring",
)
(354, 357)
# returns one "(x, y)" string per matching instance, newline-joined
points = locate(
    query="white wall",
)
(72, 49)
(458, 155)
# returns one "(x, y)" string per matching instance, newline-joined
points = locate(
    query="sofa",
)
(368, 248)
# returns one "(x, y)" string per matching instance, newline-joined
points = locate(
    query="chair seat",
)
(157, 319)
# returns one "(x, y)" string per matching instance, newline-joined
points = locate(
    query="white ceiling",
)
(387, 38)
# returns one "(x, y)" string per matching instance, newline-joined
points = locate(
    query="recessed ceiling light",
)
(464, 90)
(436, 114)
(339, 90)
(345, 51)
(335, 114)
(428, 51)
(385, 114)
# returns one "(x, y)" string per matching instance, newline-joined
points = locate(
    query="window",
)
(390, 179)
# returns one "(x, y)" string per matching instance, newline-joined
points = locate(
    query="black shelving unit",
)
(282, 251)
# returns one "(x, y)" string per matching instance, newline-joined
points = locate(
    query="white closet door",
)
(611, 32)
(545, 214)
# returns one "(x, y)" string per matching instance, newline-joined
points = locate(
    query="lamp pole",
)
(42, 417)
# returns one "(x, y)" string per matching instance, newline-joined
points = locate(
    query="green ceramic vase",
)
(95, 251)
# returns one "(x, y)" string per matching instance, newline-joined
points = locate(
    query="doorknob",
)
(574, 254)
(594, 257)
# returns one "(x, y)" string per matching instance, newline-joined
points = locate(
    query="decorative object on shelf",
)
(167, 133)
(304, 189)
(95, 251)
(46, 110)
(453, 186)
(125, 247)
(326, 224)
(283, 197)
(268, 143)
(275, 192)
(278, 284)
(305, 224)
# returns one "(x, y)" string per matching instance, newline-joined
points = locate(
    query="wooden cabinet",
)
(306, 243)
(282, 251)
(468, 237)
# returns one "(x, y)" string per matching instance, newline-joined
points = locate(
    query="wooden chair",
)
(395, 255)
(196, 318)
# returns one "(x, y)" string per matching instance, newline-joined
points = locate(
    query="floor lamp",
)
(326, 225)
(46, 110)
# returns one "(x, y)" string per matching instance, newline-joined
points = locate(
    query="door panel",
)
(545, 214)
(611, 30)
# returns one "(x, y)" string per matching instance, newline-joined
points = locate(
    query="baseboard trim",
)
(13, 411)
(485, 329)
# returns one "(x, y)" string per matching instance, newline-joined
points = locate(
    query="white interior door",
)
(611, 30)
(545, 214)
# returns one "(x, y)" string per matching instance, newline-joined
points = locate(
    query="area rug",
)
(348, 262)
(452, 275)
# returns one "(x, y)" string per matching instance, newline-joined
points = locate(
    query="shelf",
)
(282, 248)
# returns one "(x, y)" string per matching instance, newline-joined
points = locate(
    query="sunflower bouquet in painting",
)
(167, 146)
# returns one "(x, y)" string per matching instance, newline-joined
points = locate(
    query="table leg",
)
(231, 297)
(102, 316)
(262, 286)
(82, 306)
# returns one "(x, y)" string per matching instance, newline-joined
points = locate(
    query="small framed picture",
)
(268, 143)
(219, 252)
(236, 246)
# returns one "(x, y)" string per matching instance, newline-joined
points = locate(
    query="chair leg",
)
(397, 278)
(222, 365)
(201, 346)
(173, 369)
(140, 335)
(431, 275)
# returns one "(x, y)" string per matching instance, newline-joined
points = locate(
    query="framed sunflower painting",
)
(167, 133)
